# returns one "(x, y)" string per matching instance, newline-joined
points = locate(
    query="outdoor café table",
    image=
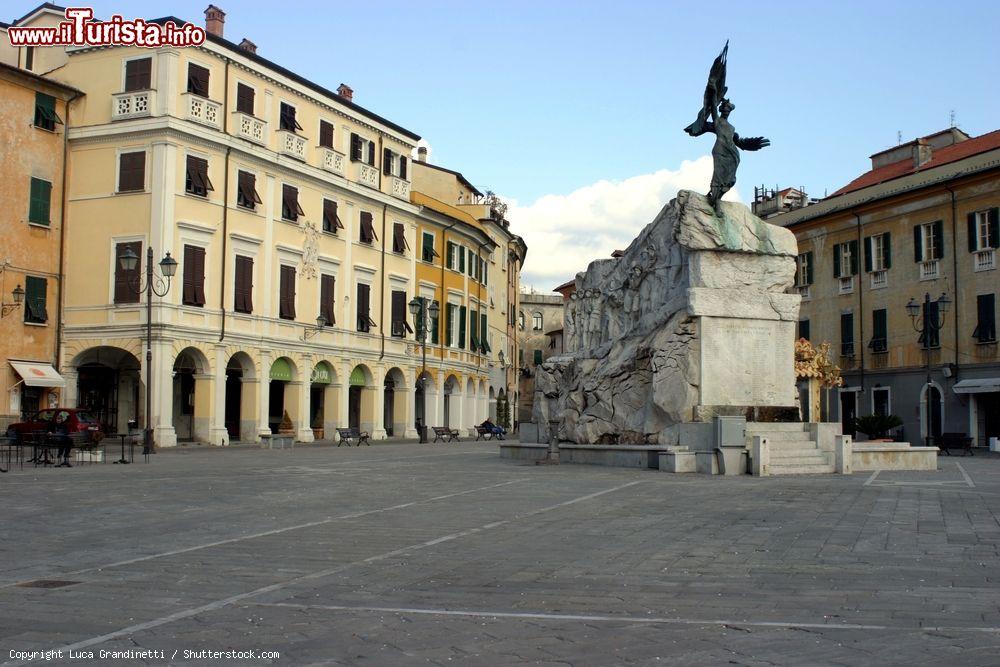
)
(7, 448)
(131, 445)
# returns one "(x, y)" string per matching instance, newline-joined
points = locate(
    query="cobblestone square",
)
(410, 554)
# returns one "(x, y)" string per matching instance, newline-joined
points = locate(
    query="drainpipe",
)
(444, 292)
(62, 235)
(381, 306)
(861, 305)
(225, 206)
(954, 266)
(479, 296)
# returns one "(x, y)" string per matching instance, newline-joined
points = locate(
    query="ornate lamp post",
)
(309, 333)
(18, 294)
(925, 323)
(422, 309)
(153, 285)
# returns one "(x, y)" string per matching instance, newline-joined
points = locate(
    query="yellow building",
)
(283, 202)
(32, 110)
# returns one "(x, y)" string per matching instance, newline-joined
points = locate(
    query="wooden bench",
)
(445, 434)
(947, 441)
(483, 433)
(352, 436)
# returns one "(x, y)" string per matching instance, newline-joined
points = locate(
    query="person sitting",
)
(493, 428)
(61, 436)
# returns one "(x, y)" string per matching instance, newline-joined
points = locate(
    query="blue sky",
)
(536, 99)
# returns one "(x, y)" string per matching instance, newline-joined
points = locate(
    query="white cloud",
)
(564, 233)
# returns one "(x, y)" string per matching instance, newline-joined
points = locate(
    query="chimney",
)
(921, 153)
(215, 20)
(248, 46)
(345, 91)
(422, 154)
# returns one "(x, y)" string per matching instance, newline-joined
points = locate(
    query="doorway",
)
(354, 406)
(848, 411)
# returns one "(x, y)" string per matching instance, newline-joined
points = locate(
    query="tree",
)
(813, 364)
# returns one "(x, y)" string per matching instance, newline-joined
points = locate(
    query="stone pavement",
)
(410, 554)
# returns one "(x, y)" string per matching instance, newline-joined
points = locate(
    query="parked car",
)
(51, 420)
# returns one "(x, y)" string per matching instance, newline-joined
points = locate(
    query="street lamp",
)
(422, 309)
(153, 285)
(320, 324)
(925, 323)
(18, 294)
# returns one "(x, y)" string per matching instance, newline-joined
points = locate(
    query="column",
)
(163, 395)
(217, 433)
(204, 417)
(409, 429)
(249, 408)
(334, 416)
(71, 392)
(372, 412)
(264, 395)
(303, 429)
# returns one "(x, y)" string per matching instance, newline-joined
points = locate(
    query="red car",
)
(57, 420)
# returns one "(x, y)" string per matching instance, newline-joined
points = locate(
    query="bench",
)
(483, 433)
(352, 436)
(947, 441)
(445, 434)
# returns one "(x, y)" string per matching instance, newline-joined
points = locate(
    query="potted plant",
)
(877, 427)
(286, 428)
(317, 428)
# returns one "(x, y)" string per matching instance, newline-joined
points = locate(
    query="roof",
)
(458, 175)
(939, 157)
(44, 5)
(566, 285)
(26, 74)
(469, 223)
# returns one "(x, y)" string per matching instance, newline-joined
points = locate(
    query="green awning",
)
(322, 374)
(281, 370)
(358, 377)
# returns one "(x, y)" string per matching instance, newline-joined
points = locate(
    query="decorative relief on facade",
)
(310, 250)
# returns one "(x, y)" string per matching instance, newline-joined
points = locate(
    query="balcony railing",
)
(292, 144)
(367, 175)
(929, 270)
(879, 279)
(135, 104)
(846, 285)
(333, 161)
(204, 110)
(251, 128)
(984, 260)
(401, 188)
(805, 292)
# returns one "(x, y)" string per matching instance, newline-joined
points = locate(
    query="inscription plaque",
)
(747, 362)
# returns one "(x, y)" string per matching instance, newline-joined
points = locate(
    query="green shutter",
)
(461, 259)
(473, 330)
(938, 239)
(868, 254)
(40, 202)
(836, 261)
(853, 246)
(886, 251)
(484, 337)
(435, 325)
(972, 231)
(538, 357)
(918, 244)
(461, 327)
(449, 329)
(35, 300)
(993, 219)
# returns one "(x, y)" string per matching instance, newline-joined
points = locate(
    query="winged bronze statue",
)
(725, 153)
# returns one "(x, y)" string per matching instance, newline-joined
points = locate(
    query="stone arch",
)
(106, 379)
(324, 399)
(192, 396)
(361, 398)
(452, 397)
(283, 377)
(241, 398)
(394, 403)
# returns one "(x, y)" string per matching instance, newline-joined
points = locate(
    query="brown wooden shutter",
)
(364, 298)
(371, 153)
(244, 98)
(244, 285)
(326, 134)
(286, 309)
(290, 209)
(125, 281)
(386, 161)
(402, 166)
(355, 148)
(197, 80)
(330, 223)
(398, 311)
(246, 194)
(399, 244)
(194, 276)
(137, 74)
(328, 299)
(132, 171)
(197, 176)
(367, 228)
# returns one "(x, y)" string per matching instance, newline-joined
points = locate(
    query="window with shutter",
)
(400, 326)
(326, 134)
(137, 74)
(40, 202)
(428, 253)
(804, 329)
(402, 166)
(399, 244)
(194, 276)
(328, 299)
(244, 285)
(197, 80)
(286, 118)
(538, 357)
(986, 323)
(355, 148)
(461, 259)
(452, 255)
(46, 117)
(449, 325)
(35, 298)
(290, 209)
(132, 172)
(245, 98)
(365, 322)
(286, 307)
(847, 334)
(387, 161)
(984, 230)
(461, 327)
(473, 330)
(246, 190)
(880, 336)
(367, 228)
(126, 282)
(435, 324)
(196, 182)
(484, 337)
(331, 221)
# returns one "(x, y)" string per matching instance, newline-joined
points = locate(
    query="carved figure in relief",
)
(596, 313)
(569, 321)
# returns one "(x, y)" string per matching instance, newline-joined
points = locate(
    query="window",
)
(932, 319)
(35, 291)
(194, 276)
(286, 295)
(197, 80)
(878, 254)
(246, 190)
(290, 209)
(484, 344)
(29, 58)
(367, 228)
(286, 118)
(393, 164)
(132, 172)
(137, 74)
(538, 357)
(399, 244)
(536, 322)
(845, 259)
(928, 242)
(40, 202)
(400, 327)
(427, 251)
(847, 334)
(984, 230)
(881, 405)
(326, 134)
(365, 322)
(880, 335)
(804, 329)
(328, 299)
(45, 112)
(461, 259)
(244, 285)
(473, 330)
(449, 325)
(461, 327)
(331, 221)
(127, 281)
(520, 320)
(362, 150)
(986, 323)
(245, 98)
(452, 255)
(197, 182)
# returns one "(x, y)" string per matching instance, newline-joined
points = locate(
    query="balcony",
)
(846, 285)
(879, 279)
(291, 144)
(134, 104)
(333, 160)
(805, 292)
(203, 110)
(929, 270)
(250, 128)
(984, 260)
(401, 188)
(367, 175)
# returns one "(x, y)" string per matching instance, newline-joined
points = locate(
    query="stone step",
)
(800, 439)
(791, 444)
(778, 469)
(799, 460)
(757, 427)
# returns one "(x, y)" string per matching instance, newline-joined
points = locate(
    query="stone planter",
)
(318, 433)
(85, 456)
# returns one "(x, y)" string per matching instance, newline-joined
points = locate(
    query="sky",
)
(574, 111)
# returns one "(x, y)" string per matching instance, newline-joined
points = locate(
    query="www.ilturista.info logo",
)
(79, 29)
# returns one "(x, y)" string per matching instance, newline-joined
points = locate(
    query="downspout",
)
(954, 263)
(62, 234)
(381, 302)
(444, 292)
(861, 307)
(225, 206)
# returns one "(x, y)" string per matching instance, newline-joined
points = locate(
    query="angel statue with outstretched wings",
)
(725, 153)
